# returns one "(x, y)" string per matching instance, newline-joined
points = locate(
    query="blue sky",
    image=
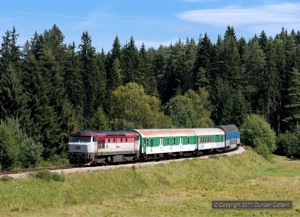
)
(152, 22)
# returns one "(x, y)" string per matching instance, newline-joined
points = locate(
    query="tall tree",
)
(203, 64)
(130, 61)
(293, 105)
(255, 64)
(73, 82)
(12, 101)
(41, 118)
(92, 76)
(113, 66)
(174, 77)
(230, 56)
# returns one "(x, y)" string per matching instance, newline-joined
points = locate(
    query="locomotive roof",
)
(104, 133)
(228, 128)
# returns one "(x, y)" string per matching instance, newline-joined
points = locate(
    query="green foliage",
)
(190, 110)
(289, 143)
(99, 121)
(229, 105)
(53, 89)
(131, 108)
(47, 176)
(293, 105)
(17, 149)
(262, 149)
(257, 133)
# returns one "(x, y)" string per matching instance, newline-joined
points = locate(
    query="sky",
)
(151, 22)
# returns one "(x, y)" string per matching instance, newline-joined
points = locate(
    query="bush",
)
(48, 176)
(257, 133)
(6, 178)
(289, 142)
(262, 149)
(17, 149)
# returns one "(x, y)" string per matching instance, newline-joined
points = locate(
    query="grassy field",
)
(177, 189)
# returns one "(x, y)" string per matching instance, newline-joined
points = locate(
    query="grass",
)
(176, 189)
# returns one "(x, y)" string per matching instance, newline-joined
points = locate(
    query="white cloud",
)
(274, 14)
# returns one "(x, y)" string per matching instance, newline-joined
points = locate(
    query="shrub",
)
(255, 127)
(48, 176)
(257, 133)
(6, 178)
(289, 142)
(262, 149)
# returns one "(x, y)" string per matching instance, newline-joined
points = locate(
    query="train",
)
(107, 147)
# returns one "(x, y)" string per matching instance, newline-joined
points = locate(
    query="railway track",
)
(73, 169)
(33, 170)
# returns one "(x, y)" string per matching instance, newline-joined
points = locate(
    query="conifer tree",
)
(94, 80)
(293, 105)
(203, 64)
(73, 82)
(130, 61)
(12, 101)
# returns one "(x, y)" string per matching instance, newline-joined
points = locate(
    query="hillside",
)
(177, 189)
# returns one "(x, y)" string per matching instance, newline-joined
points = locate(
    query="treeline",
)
(49, 88)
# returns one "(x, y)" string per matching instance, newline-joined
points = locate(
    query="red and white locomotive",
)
(103, 146)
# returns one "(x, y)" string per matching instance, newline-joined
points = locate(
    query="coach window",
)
(151, 142)
(168, 141)
(95, 139)
(126, 139)
(108, 140)
(188, 140)
(174, 141)
(146, 142)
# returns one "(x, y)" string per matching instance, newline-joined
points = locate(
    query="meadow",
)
(176, 189)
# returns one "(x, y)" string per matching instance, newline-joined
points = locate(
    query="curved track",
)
(66, 170)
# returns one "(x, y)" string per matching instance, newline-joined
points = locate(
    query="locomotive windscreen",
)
(80, 139)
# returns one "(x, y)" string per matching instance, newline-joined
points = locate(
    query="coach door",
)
(180, 143)
(137, 146)
(161, 145)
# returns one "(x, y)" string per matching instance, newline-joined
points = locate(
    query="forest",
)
(49, 89)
